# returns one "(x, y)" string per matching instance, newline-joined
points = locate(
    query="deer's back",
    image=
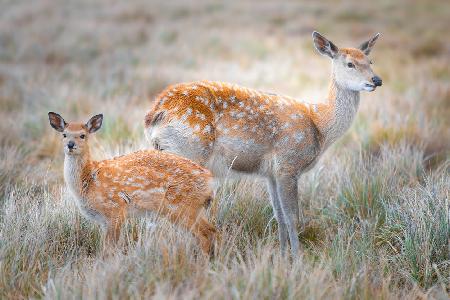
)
(146, 176)
(234, 126)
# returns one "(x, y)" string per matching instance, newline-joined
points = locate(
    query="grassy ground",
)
(375, 208)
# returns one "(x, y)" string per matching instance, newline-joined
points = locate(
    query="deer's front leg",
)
(279, 216)
(113, 227)
(287, 193)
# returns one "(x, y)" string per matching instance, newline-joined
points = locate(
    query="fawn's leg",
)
(189, 217)
(113, 229)
(287, 193)
(195, 221)
(278, 212)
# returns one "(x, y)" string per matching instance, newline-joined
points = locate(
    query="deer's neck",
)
(335, 117)
(76, 170)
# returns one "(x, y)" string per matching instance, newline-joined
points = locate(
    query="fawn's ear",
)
(56, 121)
(94, 123)
(366, 47)
(324, 46)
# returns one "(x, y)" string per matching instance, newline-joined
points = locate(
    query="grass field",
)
(375, 209)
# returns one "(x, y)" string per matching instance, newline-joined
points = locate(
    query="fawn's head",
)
(351, 66)
(75, 135)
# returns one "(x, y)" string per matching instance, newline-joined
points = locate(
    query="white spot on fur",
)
(207, 129)
(299, 136)
(172, 206)
(147, 195)
(284, 141)
(200, 116)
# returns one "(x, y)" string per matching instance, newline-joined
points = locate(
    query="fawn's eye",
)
(350, 65)
(64, 135)
(82, 136)
(371, 62)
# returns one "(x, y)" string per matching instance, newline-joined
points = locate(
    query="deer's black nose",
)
(70, 145)
(377, 81)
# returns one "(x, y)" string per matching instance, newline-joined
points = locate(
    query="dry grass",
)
(375, 208)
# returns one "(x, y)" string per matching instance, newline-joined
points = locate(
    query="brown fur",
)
(228, 127)
(211, 99)
(353, 53)
(108, 191)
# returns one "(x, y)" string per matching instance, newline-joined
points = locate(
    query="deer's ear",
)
(94, 123)
(366, 47)
(324, 46)
(56, 121)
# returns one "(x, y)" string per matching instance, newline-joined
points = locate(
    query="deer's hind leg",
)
(191, 218)
(112, 228)
(194, 220)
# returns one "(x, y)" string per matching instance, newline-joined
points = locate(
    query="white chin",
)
(369, 88)
(71, 152)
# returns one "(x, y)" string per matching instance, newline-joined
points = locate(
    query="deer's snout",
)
(377, 81)
(70, 145)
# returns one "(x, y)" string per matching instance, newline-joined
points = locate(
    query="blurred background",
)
(82, 57)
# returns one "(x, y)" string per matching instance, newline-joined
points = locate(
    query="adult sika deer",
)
(225, 126)
(108, 191)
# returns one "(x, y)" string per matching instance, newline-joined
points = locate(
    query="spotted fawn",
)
(108, 191)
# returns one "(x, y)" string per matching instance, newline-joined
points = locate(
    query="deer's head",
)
(351, 66)
(75, 135)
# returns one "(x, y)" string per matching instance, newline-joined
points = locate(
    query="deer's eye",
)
(82, 136)
(64, 135)
(371, 62)
(350, 65)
